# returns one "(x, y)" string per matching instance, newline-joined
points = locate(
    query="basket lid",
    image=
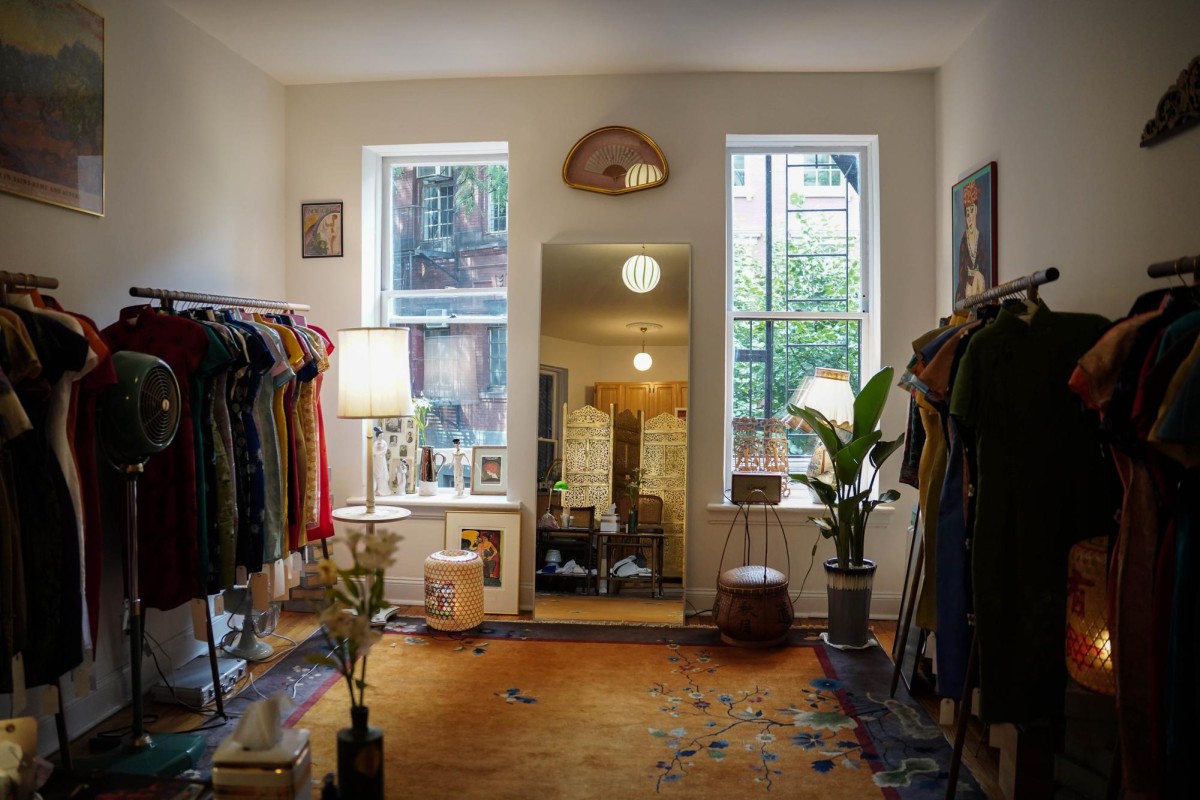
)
(756, 578)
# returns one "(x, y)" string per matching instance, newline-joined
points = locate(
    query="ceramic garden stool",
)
(752, 607)
(453, 590)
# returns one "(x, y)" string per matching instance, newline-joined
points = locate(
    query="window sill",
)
(794, 510)
(435, 506)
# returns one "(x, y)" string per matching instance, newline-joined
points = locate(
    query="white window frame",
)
(377, 237)
(867, 147)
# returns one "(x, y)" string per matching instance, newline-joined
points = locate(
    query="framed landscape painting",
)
(52, 103)
(973, 211)
(496, 537)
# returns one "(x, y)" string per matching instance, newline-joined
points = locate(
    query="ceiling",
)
(584, 300)
(317, 41)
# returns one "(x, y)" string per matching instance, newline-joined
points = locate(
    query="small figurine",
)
(380, 464)
(458, 458)
(401, 475)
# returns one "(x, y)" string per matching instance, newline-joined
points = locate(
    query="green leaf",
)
(890, 496)
(868, 405)
(848, 462)
(881, 451)
(820, 425)
(824, 492)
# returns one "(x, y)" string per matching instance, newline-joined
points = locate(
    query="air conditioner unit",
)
(437, 312)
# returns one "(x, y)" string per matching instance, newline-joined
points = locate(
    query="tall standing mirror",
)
(612, 432)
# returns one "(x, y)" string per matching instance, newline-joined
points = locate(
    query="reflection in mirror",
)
(613, 434)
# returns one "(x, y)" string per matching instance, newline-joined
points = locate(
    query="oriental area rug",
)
(521, 710)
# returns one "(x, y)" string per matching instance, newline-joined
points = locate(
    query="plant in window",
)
(421, 406)
(848, 501)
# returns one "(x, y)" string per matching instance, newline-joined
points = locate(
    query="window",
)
(800, 258)
(739, 170)
(438, 208)
(444, 276)
(497, 213)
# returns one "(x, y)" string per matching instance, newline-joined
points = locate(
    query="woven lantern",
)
(453, 590)
(1089, 651)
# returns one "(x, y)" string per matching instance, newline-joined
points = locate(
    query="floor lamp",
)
(373, 382)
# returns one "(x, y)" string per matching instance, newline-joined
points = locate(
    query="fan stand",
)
(163, 754)
(248, 645)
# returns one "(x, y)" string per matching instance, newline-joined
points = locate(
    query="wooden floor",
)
(163, 718)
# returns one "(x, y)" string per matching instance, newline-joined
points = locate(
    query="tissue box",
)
(608, 523)
(281, 773)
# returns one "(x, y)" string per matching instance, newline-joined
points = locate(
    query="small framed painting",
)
(681, 413)
(973, 210)
(321, 227)
(496, 537)
(489, 470)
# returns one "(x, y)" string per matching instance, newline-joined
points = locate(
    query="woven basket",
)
(752, 607)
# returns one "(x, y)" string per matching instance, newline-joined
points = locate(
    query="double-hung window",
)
(801, 270)
(444, 276)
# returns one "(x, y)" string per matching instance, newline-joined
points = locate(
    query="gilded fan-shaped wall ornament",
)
(615, 160)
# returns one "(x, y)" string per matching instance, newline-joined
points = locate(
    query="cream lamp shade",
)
(642, 361)
(641, 272)
(828, 391)
(373, 381)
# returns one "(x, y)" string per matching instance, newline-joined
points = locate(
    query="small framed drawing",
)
(321, 227)
(973, 209)
(496, 537)
(681, 413)
(489, 470)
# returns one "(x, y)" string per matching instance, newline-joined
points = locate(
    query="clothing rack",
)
(27, 280)
(24, 279)
(1178, 267)
(1028, 283)
(169, 295)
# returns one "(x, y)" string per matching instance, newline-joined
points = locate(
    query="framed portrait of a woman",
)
(973, 249)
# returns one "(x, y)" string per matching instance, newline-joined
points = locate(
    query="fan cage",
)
(158, 411)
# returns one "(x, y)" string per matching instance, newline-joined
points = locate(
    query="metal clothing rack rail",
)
(170, 295)
(1028, 283)
(1178, 267)
(28, 280)
(24, 279)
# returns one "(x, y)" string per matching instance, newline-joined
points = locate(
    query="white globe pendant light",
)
(642, 361)
(641, 272)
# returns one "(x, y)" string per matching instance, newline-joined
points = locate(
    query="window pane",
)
(772, 357)
(445, 278)
(797, 247)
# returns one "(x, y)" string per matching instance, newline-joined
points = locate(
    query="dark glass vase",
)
(632, 521)
(360, 758)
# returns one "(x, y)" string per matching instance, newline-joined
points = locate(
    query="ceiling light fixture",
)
(642, 361)
(641, 272)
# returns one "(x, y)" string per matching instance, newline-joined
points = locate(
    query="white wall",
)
(194, 177)
(688, 116)
(1057, 95)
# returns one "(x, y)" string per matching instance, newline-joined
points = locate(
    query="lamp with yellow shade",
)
(827, 391)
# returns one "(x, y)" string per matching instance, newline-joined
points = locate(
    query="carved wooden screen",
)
(587, 459)
(664, 473)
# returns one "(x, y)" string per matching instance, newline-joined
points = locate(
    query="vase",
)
(360, 758)
(849, 595)
(631, 523)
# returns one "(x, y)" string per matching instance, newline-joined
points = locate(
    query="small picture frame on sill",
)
(321, 230)
(489, 470)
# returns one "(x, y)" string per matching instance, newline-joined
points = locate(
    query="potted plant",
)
(849, 501)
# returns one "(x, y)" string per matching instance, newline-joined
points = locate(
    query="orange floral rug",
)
(527, 710)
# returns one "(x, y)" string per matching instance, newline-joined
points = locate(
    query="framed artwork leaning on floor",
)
(496, 537)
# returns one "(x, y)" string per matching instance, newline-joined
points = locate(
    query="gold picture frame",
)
(52, 139)
(615, 160)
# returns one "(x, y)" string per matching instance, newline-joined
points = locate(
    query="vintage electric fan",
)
(139, 417)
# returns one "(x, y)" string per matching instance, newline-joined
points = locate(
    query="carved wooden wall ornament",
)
(1179, 108)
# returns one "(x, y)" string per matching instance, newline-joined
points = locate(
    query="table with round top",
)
(359, 515)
